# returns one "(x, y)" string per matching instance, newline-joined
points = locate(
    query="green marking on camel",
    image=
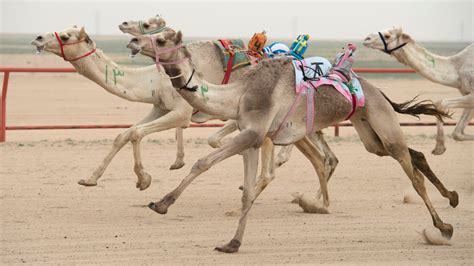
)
(204, 90)
(117, 73)
(106, 73)
(430, 59)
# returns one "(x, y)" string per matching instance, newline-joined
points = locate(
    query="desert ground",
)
(47, 218)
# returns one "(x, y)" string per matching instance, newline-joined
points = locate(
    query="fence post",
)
(336, 130)
(3, 115)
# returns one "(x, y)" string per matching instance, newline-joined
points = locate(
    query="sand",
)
(46, 218)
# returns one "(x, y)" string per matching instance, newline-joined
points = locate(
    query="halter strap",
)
(61, 45)
(164, 51)
(142, 29)
(385, 45)
(193, 88)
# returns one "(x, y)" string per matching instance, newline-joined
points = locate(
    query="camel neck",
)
(133, 84)
(217, 100)
(439, 69)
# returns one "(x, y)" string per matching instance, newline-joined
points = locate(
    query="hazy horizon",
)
(429, 21)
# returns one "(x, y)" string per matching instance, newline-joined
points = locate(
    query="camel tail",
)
(414, 108)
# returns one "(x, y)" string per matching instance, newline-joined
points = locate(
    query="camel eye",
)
(386, 36)
(160, 42)
(64, 38)
(146, 25)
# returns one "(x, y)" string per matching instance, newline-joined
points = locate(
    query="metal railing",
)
(8, 70)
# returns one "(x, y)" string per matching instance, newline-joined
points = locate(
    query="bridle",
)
(143, 31)
(385, 45)
(158, 52)
(61, 45)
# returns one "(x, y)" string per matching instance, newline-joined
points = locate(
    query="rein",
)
(61, 45)
(385, 45)
(143, 31)
(179, 61)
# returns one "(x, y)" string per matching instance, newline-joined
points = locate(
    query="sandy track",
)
(47, 218)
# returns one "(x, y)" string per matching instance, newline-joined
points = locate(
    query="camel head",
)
(387, 40)
(143, 27)
(74, 40)
(167, 50)
(162, 41)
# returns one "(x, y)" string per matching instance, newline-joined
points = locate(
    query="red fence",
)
(8, 70)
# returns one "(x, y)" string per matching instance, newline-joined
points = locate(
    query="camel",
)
(156, 24)
(455, 71)
(169, 109)
(212, 70)
(260, 101)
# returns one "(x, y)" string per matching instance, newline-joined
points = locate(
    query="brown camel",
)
(259, 103)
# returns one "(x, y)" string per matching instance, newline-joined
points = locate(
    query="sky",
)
(427, 20)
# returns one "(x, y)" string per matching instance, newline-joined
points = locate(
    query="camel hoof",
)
(231, 247)
(145, 182)
(85, 183)
(453, 199)
(177, 165)
(458, 136)
(161, 207)
(438, 150)
(157, 207)
(447, 231)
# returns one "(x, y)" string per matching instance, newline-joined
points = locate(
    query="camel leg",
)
(248, 197)
(308, 148)
(170, 120)
(120, 141)
(330, 159)
(440, 148)
(421, 164)
(215, 139)
(283, 155)
(268, 170)
(458, 133)
(241, 142)
(384, 123)
(180, 150)
(466, 102)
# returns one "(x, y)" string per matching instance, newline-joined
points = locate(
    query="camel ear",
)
(398, 31)
(406, 37)
(82, 33)
(178, 37)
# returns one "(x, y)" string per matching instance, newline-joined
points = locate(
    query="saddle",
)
(309, 78)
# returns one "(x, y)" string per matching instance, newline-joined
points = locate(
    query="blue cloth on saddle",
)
(240, 55)
(313, 67)
(275, 49)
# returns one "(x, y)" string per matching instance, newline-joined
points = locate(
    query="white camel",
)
(260, 101)
(169, 109)
(455, 71)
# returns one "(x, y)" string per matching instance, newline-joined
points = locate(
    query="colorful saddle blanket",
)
(313, 72)
(241, 57)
